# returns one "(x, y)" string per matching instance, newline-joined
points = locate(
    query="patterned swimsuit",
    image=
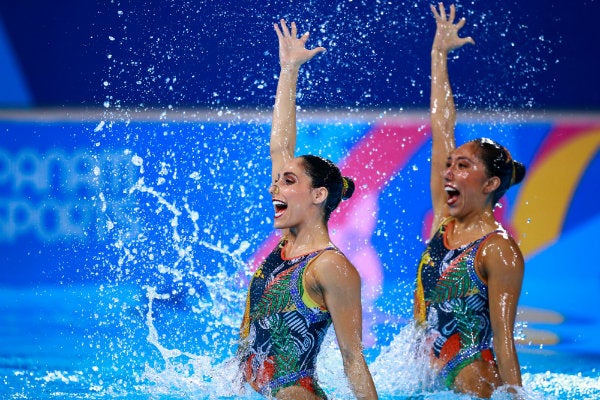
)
(452, 302)
(283, 328)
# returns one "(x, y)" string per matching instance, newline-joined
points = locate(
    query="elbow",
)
(350, 357)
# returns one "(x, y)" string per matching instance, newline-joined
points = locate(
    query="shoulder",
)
(332, 266)
(438, 224)
(501, 240)
(334, 259)
(499, 251)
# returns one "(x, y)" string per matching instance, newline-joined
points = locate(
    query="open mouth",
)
(452, 195)
(280, 208)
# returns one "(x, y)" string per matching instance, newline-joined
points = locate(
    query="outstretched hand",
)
(446, 34)
(292, 49)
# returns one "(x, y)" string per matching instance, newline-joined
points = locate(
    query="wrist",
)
(439, 51)
(289, 69)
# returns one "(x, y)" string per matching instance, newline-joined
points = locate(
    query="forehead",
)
(468, 150)
(294, 166)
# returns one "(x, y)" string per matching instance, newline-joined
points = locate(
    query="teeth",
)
(280, 208)
(453, 195)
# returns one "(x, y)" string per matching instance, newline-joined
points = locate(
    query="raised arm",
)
(442, 109)
(292, 54)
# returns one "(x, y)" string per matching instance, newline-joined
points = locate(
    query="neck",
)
(302, 240)
(475, 224)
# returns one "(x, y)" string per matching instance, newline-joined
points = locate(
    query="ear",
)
(320, 195)
(491, 184)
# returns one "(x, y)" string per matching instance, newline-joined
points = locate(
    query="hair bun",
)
(348, 188)
(520, 171)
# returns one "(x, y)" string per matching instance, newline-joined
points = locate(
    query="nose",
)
(447, 174)
(274, 189)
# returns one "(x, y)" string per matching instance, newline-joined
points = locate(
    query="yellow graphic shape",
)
(532, 316)
(544, 199)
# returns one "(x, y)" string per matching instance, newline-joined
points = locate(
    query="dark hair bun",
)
(348, 189)
(520, 171)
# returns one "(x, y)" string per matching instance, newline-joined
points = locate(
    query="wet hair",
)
(498, 162)
(324, 173)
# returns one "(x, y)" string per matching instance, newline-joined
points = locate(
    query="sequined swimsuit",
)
(283, 329)
(452, 303)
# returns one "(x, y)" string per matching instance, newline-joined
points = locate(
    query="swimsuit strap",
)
(473, 247)
(471, 270)
(295, 291)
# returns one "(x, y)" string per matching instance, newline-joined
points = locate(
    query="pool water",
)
(123, 341)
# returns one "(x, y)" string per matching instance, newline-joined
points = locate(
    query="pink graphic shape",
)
(372, 162)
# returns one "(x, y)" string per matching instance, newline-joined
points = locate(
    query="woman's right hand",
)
(292, 49)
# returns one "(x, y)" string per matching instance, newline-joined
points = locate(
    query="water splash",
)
(163, 54)
(194, 375)
(407, 358)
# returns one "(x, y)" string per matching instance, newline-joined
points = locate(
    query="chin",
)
(453, 212)
(279, 224)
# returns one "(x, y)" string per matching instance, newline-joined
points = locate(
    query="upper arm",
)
(340, 285)
(281, 149)
(440, 151)
(503, 265)
(283, 127)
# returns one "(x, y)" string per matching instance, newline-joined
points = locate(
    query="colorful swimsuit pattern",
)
(452, 302)
(281, 334)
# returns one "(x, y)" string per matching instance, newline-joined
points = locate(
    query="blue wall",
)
(539, 54)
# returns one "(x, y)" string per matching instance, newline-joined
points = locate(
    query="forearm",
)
(360, 379)
(283, 128)
(442, 108)
(508, 363)
(356, 369)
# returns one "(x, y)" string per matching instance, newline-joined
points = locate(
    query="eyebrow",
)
(290, 174)
(285, 174)
(460, 158)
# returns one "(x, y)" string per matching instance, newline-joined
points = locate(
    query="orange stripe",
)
(547, 192)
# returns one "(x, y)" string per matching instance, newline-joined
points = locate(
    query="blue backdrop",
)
(184, 53)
